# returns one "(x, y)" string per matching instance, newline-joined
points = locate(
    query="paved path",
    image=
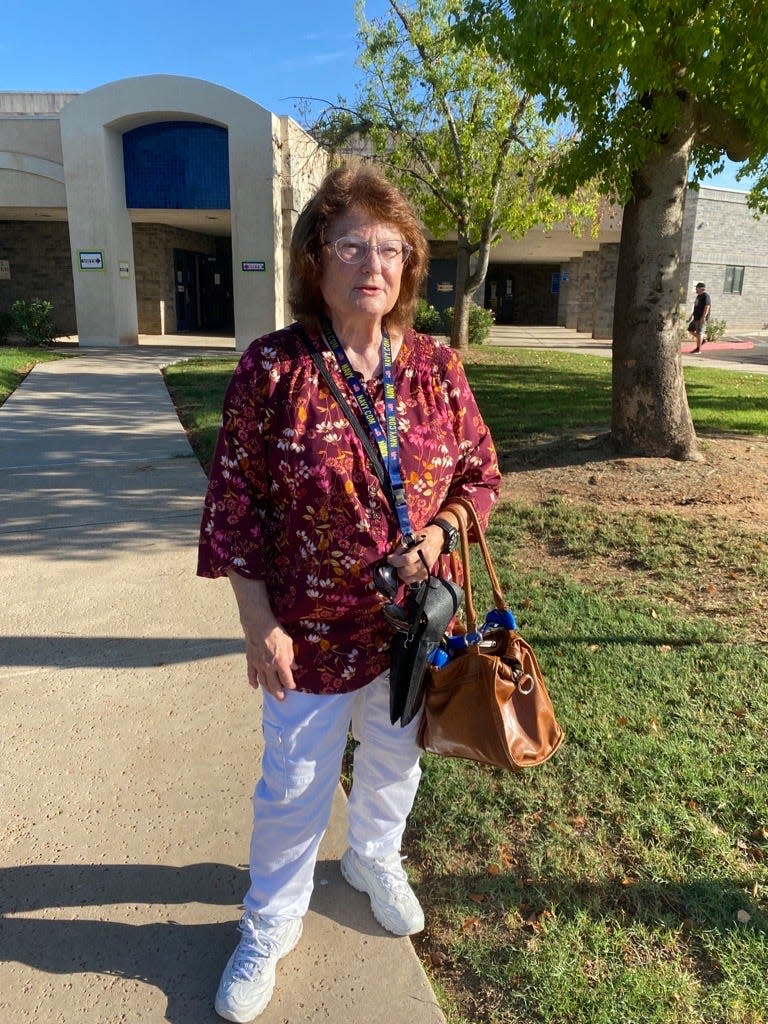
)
(130, 739)
(751, 357)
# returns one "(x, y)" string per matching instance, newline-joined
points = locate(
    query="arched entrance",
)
(175, 168)
(170, 176)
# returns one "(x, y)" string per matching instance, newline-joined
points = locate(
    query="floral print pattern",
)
(292, 498)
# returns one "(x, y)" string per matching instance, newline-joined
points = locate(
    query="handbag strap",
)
(469, 602)
(372, 453)
(498, 597)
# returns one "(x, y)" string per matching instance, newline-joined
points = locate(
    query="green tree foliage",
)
(629, 70)
(658, 92)
(455, 129)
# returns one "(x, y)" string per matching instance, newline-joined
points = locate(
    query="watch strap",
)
(448, 529)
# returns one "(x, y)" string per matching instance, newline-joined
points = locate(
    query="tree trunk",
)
(650, 406)
(468, 281)
(462, 300)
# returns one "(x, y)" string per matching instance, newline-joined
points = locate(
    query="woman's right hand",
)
(269, 651)
(269, 660)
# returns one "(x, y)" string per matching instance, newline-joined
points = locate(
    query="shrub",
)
(427, 319)
(715, 328)
(34, 322)
(480, 323)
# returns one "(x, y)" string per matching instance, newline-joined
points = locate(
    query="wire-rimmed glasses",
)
(353, 250)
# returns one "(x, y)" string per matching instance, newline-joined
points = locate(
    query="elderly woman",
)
(297, 519)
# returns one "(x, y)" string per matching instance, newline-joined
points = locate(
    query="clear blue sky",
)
(269, 50)
(272, 51)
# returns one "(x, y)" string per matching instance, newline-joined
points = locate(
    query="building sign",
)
(444, 286)
(5, 270)
(91, 260)
(124, 268)
(254, 265)
(564, 275)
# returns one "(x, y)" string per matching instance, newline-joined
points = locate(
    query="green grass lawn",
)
(626, 881)
(16, 362)
(523, 395)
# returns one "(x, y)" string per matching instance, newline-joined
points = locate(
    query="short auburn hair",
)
(339, 191)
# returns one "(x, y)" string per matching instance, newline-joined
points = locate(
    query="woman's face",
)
(367, 290)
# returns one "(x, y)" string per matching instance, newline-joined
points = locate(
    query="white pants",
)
(304, 740)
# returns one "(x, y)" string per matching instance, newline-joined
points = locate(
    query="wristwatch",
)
(451, 541)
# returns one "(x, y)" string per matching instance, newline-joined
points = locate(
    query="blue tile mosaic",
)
(177, 165)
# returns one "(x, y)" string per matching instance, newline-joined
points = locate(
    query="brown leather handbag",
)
(488, 703)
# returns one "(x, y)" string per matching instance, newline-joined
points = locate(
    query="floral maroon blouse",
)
(292, 499)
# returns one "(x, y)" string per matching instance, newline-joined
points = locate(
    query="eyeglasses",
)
(355, 250)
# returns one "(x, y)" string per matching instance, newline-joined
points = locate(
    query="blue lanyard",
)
(387, 442)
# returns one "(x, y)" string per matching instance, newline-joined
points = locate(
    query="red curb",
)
(717, 346)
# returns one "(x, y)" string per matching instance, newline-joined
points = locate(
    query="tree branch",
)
(721, 129)
(443, 102)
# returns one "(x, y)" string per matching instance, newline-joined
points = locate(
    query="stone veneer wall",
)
(572, 298)
(153, 246)
(562, 295)
(605, 290)
(587, 290)
(41, 268)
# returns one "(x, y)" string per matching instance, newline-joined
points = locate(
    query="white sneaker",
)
(393, 901)
(249, 977)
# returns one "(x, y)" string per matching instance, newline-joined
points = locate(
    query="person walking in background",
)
(297, 519)
(697, 324)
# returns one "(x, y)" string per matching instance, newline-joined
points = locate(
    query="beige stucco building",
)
(150, 206)
(162, 205)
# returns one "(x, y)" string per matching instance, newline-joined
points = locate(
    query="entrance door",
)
(203, 291)
(500, 293)
(216, 304)
(185, 282)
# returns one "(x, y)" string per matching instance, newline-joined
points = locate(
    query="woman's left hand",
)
(410, 567)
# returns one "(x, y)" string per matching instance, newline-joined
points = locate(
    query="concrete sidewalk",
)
(130, 739)
(749, 357)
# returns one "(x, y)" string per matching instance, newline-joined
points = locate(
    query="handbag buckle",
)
(523, 680)
(525, 684)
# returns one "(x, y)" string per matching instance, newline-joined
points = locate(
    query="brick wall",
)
(41, 268)
(153, 246)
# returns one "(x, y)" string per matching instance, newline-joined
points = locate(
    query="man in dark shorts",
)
(701, 308)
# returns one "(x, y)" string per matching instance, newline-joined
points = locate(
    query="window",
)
(734, 280)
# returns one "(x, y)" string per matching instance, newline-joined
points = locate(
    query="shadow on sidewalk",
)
(111, 651)
(182, 960)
